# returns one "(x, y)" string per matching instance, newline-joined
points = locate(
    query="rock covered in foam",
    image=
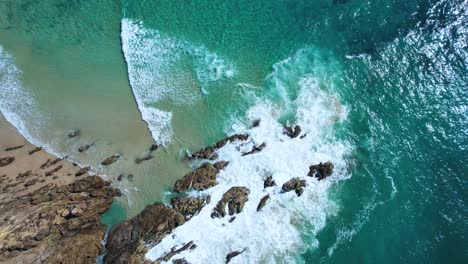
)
(269, 182)
(293, 184)
(201, 178)
(234, 198)
(209, 152)
(292, 132)
(321, 170)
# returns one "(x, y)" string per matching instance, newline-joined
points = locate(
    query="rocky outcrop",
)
(263, 202)
(209, 152)
(321, 170)
(202, 178)
(269, 182)
(125, 243)
(293, 184)
(292, 132)
(6, 161)
(234, 198)
(34, 150)
(189, 206)
(110, 159)
(56, 224)
(82, 171)
(174, 251)
(255, 149)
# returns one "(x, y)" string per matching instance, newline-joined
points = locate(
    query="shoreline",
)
(48, 213)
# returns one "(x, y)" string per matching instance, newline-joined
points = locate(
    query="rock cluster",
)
(234, 198)
(209, 152)
(293, 185)
(321, 170)
(189, 206)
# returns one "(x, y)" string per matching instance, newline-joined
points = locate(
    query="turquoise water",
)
(381, 86)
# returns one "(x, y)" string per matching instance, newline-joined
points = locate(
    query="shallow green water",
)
(399, 68)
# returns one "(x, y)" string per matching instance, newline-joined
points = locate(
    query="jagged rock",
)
(263, 202)
(233, 254)
(208, 152)
(147, 157)
(82, 171)
(34, 150)
(201, 178)
(321, 170)
(110, 159)
(14, 148)
(234, 198)
(54, 170)
(85, 147)
(269, 182)
(188, 206)
(6, 161)
(125, 242)
(292, 132)
(299, 191)
(293, 184)
(174, 252)
(256, 123)
(154, 147)
(74, 133)
(255, 149)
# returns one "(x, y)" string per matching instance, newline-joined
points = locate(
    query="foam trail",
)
(277, 233)
(155, 64)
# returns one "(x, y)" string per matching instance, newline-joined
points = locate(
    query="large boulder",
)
(125, 243)
(234, 198)
(293, 184)
(321, 170)
(201, 178)
(209, 152)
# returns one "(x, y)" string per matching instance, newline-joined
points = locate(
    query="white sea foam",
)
(156, 72)
(277, 233)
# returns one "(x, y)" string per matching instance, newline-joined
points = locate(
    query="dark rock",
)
(232, 255)
(232, 219)
(120, 177)
(263, 202)
(110, 159)
(299, 191)
(292, 132)
(85, 147)
(321, 170)
(293, 184)
(269, 182)
(201, 178)
(147, 157)
(34, 150)
(14, 148)
(234, 198)
(54, 170)
(174, 252)
(82, 171)
(45, 164)
(55, 161)
(256, 123)
(30, 182)
(180, 261)
(154, 147)
(6, 161)
(126, 240)
(23, 175)
(208, 152)
(188, 206)
(255, 149)
(74, 133)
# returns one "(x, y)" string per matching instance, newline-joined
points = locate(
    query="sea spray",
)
(276, 233)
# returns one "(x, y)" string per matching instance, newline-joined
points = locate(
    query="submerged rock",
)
(59, 167)
(293, 184)
(234, 198)
(82, 171)
(292, 132)
(208, 152)
(125, 243)
(201, 178)
(188, 206)
(139, 160)
(321, 170)
(6, 161)
(269, 182)
(14, 148)
(34, 150)
(85, 147)
(154, 147)
(255, 149)
(263, 202)
(110, 159)
(256, 123)
(74, 133)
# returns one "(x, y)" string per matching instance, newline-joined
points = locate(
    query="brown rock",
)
(299, 191)
(201, 178)
(110, 159)
(85, 147)
(234, 198)
(293, 184)
(34, 150)
(263, 202)
(45, 164)
(269, 182)
(174, 252)
(147, 157)
(14, 148)
(208, 152)
(59, 167)
(188, 206)
(321, 170)
(82, 171)
(6, 161)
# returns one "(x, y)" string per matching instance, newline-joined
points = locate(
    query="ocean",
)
(379, 88)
